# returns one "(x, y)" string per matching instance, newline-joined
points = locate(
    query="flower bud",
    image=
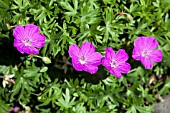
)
(27, 108)
(129, 17)
(46, 60)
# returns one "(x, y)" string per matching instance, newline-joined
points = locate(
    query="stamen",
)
(27, 42)
(82, 60)
(145, 53)
(114, 63)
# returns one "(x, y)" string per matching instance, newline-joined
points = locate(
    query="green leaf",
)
(4, 108)
(67, 6)
(65, 101)
(131, 110)
(44, 69)
(166, 88)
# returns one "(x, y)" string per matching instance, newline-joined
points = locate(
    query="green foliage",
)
(46, 83)
(4, 107)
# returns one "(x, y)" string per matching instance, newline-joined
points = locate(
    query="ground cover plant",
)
(83, 56)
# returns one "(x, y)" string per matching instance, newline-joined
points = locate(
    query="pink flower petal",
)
(124, 67)
(38, 40)
(19, 45)
(19, 33)
(34, 50)
(74, 51)
(30, 50)
(91, 69)
(152, 43)
(77, 65)
(140, 43)
(106, 62)
(94, 58)
(136, 54)
(110, 54)
(147, 43)
(86, 49)
(146, 62)
(31, 30)
(116, 73)
(121, 55)
(156, 56)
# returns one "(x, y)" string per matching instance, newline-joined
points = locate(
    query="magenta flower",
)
(85, 58)
(116, 63)
(28, 39)
(144, 51)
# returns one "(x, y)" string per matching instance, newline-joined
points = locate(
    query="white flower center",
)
(82, 60)
(27, 42)
(145, 53)
(114, 63)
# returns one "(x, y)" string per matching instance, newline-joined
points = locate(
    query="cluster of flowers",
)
(28, 39)
(86, 59)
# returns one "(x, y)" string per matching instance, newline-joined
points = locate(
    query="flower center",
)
(114, 63)
(145, 53)
(27, 42)
(82, 60)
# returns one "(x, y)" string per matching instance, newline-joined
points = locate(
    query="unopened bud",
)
(8, 26)
(46, 60)
(129, 17)
(27, 108)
